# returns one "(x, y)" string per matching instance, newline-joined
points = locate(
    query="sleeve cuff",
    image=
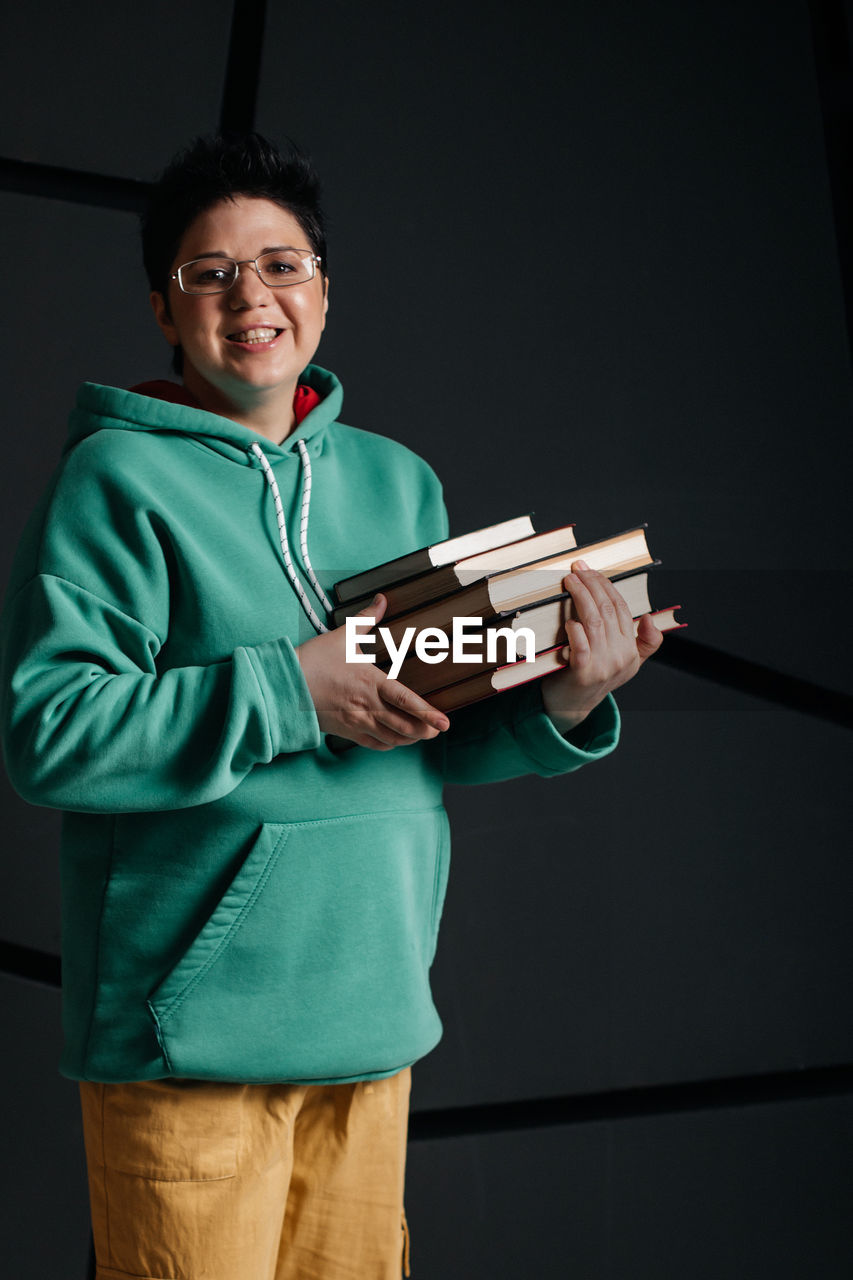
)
(556, 753)
(291, 717)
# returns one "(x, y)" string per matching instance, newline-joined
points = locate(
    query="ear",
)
(163, 318)
(325, 298)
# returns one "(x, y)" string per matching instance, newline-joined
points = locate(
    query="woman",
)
(249, 914)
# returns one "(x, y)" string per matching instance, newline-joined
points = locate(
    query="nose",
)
(248, 290)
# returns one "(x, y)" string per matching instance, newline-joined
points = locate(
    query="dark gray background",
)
(589, 259)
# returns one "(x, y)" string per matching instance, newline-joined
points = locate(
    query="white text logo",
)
(433, 645)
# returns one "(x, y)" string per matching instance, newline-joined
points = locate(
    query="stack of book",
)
(506, 581)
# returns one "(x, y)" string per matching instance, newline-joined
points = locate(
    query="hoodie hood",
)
(101, 408)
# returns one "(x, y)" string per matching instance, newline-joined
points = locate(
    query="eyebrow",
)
(220, 253)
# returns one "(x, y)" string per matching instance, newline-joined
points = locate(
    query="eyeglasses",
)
(277, 268)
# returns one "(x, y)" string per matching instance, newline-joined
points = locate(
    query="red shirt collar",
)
(304, 400)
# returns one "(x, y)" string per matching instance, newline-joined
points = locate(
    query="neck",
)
(267, 411)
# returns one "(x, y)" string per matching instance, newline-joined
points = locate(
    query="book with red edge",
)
(412, 593)
(494, 680)
(415, 563)
(545, 621)
(497, 680)
(514, 588)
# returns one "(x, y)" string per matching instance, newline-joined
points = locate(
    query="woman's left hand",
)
(603, 653)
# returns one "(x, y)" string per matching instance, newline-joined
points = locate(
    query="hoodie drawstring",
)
(318, 626)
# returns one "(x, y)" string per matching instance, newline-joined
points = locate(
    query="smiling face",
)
(245, 349)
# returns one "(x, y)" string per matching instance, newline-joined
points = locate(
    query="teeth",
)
(254, 335)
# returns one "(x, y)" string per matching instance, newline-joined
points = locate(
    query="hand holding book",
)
(589, 631)
(357, 702)
(603, 651)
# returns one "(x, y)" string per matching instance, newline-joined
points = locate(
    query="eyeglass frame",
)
(314, 259)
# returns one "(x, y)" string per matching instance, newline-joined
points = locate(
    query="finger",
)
(388, 741)
(388, 727)
(372, 744)
(649, 639)
(413, 713)
(578, 653)
(585, 609)
(399, 731)
(608, 595)
(609, 601)
(378, 734)
(374, 611)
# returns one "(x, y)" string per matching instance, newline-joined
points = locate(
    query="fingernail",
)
(579, 564)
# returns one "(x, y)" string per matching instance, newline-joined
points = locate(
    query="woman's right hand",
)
(357, 701)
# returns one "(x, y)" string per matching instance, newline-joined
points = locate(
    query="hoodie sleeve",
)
(89, 724)
(511, 734)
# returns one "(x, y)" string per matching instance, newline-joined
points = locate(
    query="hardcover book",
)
(426, 558)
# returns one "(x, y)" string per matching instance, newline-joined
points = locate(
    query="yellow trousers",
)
(190, 1180)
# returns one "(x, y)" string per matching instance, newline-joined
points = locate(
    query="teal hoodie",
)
(240, 901)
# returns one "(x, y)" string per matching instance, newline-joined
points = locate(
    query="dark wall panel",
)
(44, 1206)
(29, 904)
(583, 258)
(98, 327)
(678, 911)
(110, 88)
(757, 1192)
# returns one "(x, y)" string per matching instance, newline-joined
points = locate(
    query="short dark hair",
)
(220, 167)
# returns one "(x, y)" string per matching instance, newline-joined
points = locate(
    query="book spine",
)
(478, 688)
(365, 585)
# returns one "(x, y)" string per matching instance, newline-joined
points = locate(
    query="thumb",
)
(375, 610)
(649, 639)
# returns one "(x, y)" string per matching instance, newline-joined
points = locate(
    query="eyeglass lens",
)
(277, 268)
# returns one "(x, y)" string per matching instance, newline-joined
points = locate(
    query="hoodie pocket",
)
(314, 964)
